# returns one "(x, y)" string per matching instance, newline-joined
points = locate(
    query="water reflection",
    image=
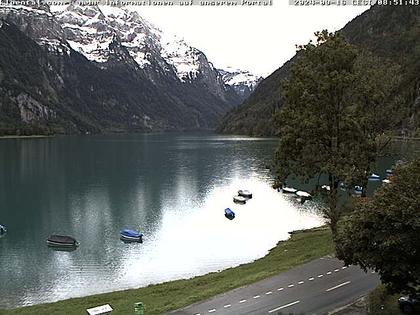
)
(173, 188)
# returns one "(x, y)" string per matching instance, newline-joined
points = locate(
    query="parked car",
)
(409, 304)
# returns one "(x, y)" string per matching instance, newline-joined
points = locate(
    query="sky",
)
(255, 38)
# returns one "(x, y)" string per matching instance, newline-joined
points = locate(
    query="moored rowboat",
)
(62, 241)
(131, 236)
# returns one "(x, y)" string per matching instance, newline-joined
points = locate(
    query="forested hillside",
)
(389, 32)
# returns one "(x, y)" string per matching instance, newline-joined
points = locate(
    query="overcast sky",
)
(259, 39)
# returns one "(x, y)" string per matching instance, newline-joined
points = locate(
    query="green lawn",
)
(302, 247)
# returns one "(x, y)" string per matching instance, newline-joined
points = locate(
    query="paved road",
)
(314, 288)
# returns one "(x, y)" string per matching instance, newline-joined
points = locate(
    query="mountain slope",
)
(85, 70)
(390, 32)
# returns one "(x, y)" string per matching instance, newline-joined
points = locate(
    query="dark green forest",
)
(387, 32)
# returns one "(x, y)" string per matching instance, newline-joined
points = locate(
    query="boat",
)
(358, 190)
(303, 194)
(131, 236)
(326, 187)
(288, 190)
(386, 181)
(239, 199)
(389, 171)
(374, 177)
(229, 214)
(62, 241)
(3, 229)
(245, 193)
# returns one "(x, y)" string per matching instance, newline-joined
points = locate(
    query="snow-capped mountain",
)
(131, 75)
(244, 82)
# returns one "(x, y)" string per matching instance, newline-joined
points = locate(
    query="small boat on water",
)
(389, 171)
(358, 190)
(229, 214)
(245, 193)
(303, 194)
(374, 177)
(239, 199)
(288, 190)
(62, 241)
(326, 187)
(131, 236)
(386, 181)
(3, 229)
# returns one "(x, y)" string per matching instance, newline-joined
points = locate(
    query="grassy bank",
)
(300, 248)
(383, 303)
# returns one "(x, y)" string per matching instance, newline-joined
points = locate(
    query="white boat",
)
(239, 199)
(326, 187)
(386, 181)
(303, 194)
(245, 193)
(288, 190)
(374, 177)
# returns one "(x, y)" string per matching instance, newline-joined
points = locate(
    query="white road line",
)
(256, 297)
(320, 276)
(197, 314)
(311, 279)
(329, 272)
(212, 310)
(242, 301)
(344, 267)
(268, 293)
(301, 282)
(280, 289)
(284, 306)
(290, 285)
(338, 286)
(227, 305)
(336, 270)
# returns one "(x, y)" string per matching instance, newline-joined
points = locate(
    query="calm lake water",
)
(172, 187)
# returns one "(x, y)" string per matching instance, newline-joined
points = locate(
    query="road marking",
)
(301, 282)
(336, 270)
(329, 272)
(344, 267)
(256, 297)
(284, 306)
(227, 305)
(311, 279)
(212, 310)
(290, 285)
(242, 301)
(280, 289)
(268, 293)
(320, 276)
(338, 286)
(197, 314)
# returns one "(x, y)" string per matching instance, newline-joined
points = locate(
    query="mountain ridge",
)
(90, 71)
(389, 32)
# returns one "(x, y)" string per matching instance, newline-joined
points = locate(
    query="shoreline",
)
(301, 247)
(26, 137)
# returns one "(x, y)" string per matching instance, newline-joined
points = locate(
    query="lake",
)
(172, 187)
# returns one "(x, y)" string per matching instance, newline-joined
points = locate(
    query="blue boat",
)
(131, 236)
(229, 214)
(3, 229)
